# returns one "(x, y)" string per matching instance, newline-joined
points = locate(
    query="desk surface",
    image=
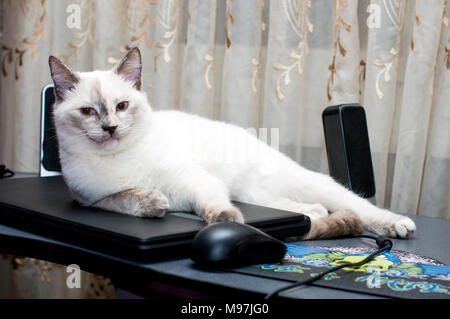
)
(431, 239)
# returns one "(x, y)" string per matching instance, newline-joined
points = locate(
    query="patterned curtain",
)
(260, 64)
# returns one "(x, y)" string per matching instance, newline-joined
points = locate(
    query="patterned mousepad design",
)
(396, 273)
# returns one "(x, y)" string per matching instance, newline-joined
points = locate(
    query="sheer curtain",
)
(260, 64)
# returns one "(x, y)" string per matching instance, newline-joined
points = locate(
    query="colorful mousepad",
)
(396, 273)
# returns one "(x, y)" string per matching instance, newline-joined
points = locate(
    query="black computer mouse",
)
(232, 245)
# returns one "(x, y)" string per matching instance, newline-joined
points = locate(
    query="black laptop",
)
(43, 205)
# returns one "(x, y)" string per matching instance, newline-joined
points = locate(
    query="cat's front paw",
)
(394, 225)
(404, 227)
(215, 214)
(151, 203)
(387, 223)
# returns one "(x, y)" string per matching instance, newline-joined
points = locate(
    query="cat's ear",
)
(130, 68)
(63, 78)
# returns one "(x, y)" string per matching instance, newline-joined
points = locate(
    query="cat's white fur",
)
(183, 157)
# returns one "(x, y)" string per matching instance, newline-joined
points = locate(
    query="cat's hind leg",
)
(323, 224)
(304, 186)
(312, 187)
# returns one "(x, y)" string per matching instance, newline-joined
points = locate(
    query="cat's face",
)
(100, 111)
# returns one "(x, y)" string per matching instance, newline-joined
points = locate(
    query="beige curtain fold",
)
(380, 90)
(345, 67)
(258, 64)
(416, 108)
(199, 81)
(435, 190)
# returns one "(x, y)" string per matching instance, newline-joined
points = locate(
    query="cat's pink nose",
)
(110, 129)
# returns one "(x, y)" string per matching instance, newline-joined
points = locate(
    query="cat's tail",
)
(337, 224)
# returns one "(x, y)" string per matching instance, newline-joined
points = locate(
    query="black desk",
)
(182, 278)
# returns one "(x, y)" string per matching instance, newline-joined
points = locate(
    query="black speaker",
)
(348, 148)
(50, 164)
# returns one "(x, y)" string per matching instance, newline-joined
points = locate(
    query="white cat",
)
(118, 154)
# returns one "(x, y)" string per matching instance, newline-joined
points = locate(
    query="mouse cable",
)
(383, 243)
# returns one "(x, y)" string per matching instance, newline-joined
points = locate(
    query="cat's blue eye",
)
(122, 106)
(87, 111)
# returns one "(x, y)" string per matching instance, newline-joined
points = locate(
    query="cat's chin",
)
(110, 141)
(108, 145)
